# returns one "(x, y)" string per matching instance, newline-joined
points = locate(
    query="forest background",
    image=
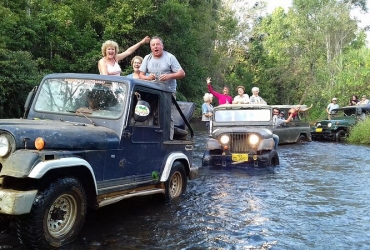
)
(307, 55)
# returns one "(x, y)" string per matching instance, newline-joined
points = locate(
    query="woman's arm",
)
(132, 49)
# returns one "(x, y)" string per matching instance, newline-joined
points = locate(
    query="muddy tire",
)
(56, 217)
(272, 161)
(340, 135)
(302, 138)
(176, 183)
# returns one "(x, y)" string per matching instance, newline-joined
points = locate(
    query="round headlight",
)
(225, 139)
(253, 139)
(4, 145)
(318, 124)
(329, 124)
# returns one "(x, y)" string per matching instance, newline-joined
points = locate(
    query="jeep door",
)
(141, 141)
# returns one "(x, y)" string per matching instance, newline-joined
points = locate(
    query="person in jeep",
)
(278, 120)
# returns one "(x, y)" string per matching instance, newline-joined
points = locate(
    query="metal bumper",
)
(226, 161)
(14, 202)
(323, 134)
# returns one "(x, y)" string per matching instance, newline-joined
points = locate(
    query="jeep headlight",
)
(253, 139)
(4, 146)
(225, 139)
(318, 124)
(329, 125)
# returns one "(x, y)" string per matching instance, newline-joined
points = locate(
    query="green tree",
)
(18, 75)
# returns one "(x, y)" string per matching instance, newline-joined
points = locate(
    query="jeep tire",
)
(176, 183)
(272, 161)
(57, 215)
(340, 135)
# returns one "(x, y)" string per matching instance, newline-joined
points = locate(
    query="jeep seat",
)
(187, 109)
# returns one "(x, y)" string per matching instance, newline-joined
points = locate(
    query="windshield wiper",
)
(78, 112)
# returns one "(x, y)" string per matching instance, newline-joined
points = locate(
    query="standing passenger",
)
(330, 107)
(108, 65)
(255, 98)
(241, 98)
(364, 101)
(135, 63)
(161, 65)
(223, 98)
(353, 101)
(207, 108)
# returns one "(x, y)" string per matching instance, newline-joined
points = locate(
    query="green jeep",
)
(337, 129)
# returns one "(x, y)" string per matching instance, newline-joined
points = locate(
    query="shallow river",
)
(317, 198)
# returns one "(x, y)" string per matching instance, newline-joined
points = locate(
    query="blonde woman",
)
(136, 63)
(108, 65)
(207, 108)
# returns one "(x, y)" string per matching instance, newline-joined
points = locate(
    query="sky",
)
(364, 18)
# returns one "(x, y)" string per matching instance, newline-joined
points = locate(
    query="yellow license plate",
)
(239, 157)
(318, 130)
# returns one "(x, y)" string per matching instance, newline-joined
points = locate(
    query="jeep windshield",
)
(242, 115)
(81, 96)
(344, 112)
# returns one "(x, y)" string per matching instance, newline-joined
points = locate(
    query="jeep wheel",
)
(340, 135)
(302, 138)
(56, 217)
(176, 183)
(273, 160)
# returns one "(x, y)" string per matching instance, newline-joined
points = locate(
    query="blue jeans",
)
(276, 140)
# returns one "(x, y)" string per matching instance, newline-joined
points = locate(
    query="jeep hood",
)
(265, 132)
(340, 120)
(59, 135)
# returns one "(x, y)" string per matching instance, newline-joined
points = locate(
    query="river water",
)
(317, 198)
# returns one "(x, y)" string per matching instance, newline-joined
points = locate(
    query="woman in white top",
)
(241, 98)
(108, 65)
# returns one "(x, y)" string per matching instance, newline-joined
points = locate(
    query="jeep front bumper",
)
(323, 134)
(14, 202)
(226, 160)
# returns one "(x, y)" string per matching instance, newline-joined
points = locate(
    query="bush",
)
(360, 133)
(18, 75)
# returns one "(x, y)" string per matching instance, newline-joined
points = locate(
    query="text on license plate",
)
(239, 157)
(318, 130)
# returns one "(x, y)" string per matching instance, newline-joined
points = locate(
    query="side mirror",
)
(142, 110)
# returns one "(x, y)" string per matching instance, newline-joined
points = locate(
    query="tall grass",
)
(360, 133)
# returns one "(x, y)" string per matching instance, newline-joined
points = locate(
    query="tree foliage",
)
(66, 36)
(308, 54)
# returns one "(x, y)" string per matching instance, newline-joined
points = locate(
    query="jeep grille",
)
(238, 143)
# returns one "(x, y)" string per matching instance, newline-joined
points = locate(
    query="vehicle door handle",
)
(159, 131)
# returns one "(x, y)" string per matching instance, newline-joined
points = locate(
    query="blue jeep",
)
(89, 141)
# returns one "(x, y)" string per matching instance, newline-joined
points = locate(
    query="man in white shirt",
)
(330, 107)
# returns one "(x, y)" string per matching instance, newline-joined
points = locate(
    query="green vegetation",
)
(360, 132)
(309, 54)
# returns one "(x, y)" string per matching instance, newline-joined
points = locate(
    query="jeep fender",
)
(43, 167)
(169, 162)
